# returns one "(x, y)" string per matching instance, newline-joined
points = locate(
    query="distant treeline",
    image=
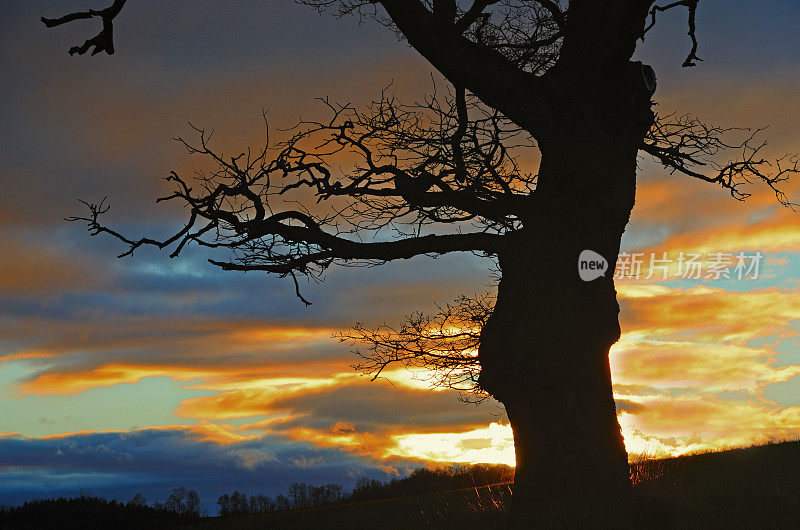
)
(302, 495)
(184, 506)
(88, 511)
(426, 480)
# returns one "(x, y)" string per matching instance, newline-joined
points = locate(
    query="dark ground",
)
(752, 488)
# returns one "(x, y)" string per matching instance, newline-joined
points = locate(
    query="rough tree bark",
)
(544, 351)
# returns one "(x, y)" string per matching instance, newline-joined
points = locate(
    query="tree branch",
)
(244, 204)
(522, 97)
(103, 41)
(691, 5)
(686, 145)
(346, 250)
(473, 14)
(440, 349)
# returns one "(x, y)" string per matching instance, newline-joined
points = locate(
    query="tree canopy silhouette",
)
(443, 176)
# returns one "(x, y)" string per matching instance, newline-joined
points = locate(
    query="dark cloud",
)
(626, 405)
(153, 461)
(381, 407)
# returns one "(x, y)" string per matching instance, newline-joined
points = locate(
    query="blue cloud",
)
(153, 461)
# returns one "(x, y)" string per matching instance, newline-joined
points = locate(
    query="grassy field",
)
(750, 488)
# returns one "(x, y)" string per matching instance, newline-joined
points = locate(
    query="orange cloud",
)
(363, 443)
(488, 445)
(702, 338)
(694, 338)
(108, 375)
(681, 424)
(685, 354)
(709, 314)
(256, 398)
(278, 376)
(777, 233)
(676, 200)
(370, 419)
(220, 433)
(30, 354)
(223, 354)
(198, 336)
(711, 367)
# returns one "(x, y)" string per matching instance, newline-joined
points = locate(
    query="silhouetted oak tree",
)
(525, 74)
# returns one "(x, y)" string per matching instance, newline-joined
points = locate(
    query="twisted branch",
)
(689, 146)
(103, 41)
(416, 165)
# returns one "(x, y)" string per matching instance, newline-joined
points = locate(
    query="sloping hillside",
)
(754, 487)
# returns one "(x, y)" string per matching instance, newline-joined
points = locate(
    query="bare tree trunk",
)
(544, 351)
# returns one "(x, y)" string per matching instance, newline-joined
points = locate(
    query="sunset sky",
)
(145, 373)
